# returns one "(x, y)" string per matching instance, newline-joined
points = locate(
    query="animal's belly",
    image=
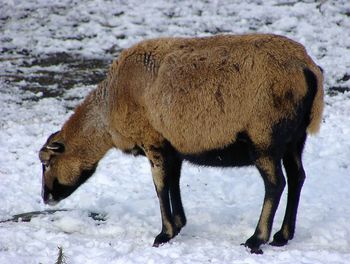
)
(240, 153)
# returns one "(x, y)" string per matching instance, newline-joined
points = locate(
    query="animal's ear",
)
(56, 147)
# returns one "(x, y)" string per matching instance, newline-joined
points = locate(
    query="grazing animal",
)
(215, 101)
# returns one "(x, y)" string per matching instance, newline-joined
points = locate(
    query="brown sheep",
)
(214, 101)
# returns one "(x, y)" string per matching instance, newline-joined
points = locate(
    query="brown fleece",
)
(198, 93)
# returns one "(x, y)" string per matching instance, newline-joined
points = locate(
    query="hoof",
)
(254, 245)
(162, 238)
(279, 240)
(180, 222)
(257, 251)
(254, 250)
(177, 230)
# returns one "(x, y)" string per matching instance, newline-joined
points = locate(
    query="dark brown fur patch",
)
(219, 98)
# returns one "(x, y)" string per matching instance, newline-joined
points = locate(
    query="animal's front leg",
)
(161, 182)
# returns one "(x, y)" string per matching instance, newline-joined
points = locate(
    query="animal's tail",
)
(315, 82)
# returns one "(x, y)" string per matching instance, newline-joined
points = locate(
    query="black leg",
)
(161, 182)
(274, 182)
(295, 176)
(168, 230)
(166, 169)
(174, 170)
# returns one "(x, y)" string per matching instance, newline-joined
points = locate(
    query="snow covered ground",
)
(52, 53)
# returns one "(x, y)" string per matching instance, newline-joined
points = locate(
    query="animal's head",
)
(64, 169)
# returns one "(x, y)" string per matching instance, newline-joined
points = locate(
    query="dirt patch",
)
(38, 76)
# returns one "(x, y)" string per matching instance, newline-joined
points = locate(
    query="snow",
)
(42, 47)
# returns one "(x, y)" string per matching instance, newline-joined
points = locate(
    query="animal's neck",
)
(87, 128)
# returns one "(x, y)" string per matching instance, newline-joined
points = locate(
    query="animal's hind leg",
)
(295, 176)
(174, 168)
(271, 172)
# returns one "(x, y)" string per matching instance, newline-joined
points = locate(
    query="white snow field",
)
(52, 53)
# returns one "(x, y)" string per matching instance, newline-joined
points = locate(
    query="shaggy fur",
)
(249, 82)
(218, 101)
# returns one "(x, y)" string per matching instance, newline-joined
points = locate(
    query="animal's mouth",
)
(58, 192)
(46, 193)
(48, 197)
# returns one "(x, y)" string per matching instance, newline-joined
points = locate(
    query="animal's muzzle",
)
(47, 196)
(46, 193)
